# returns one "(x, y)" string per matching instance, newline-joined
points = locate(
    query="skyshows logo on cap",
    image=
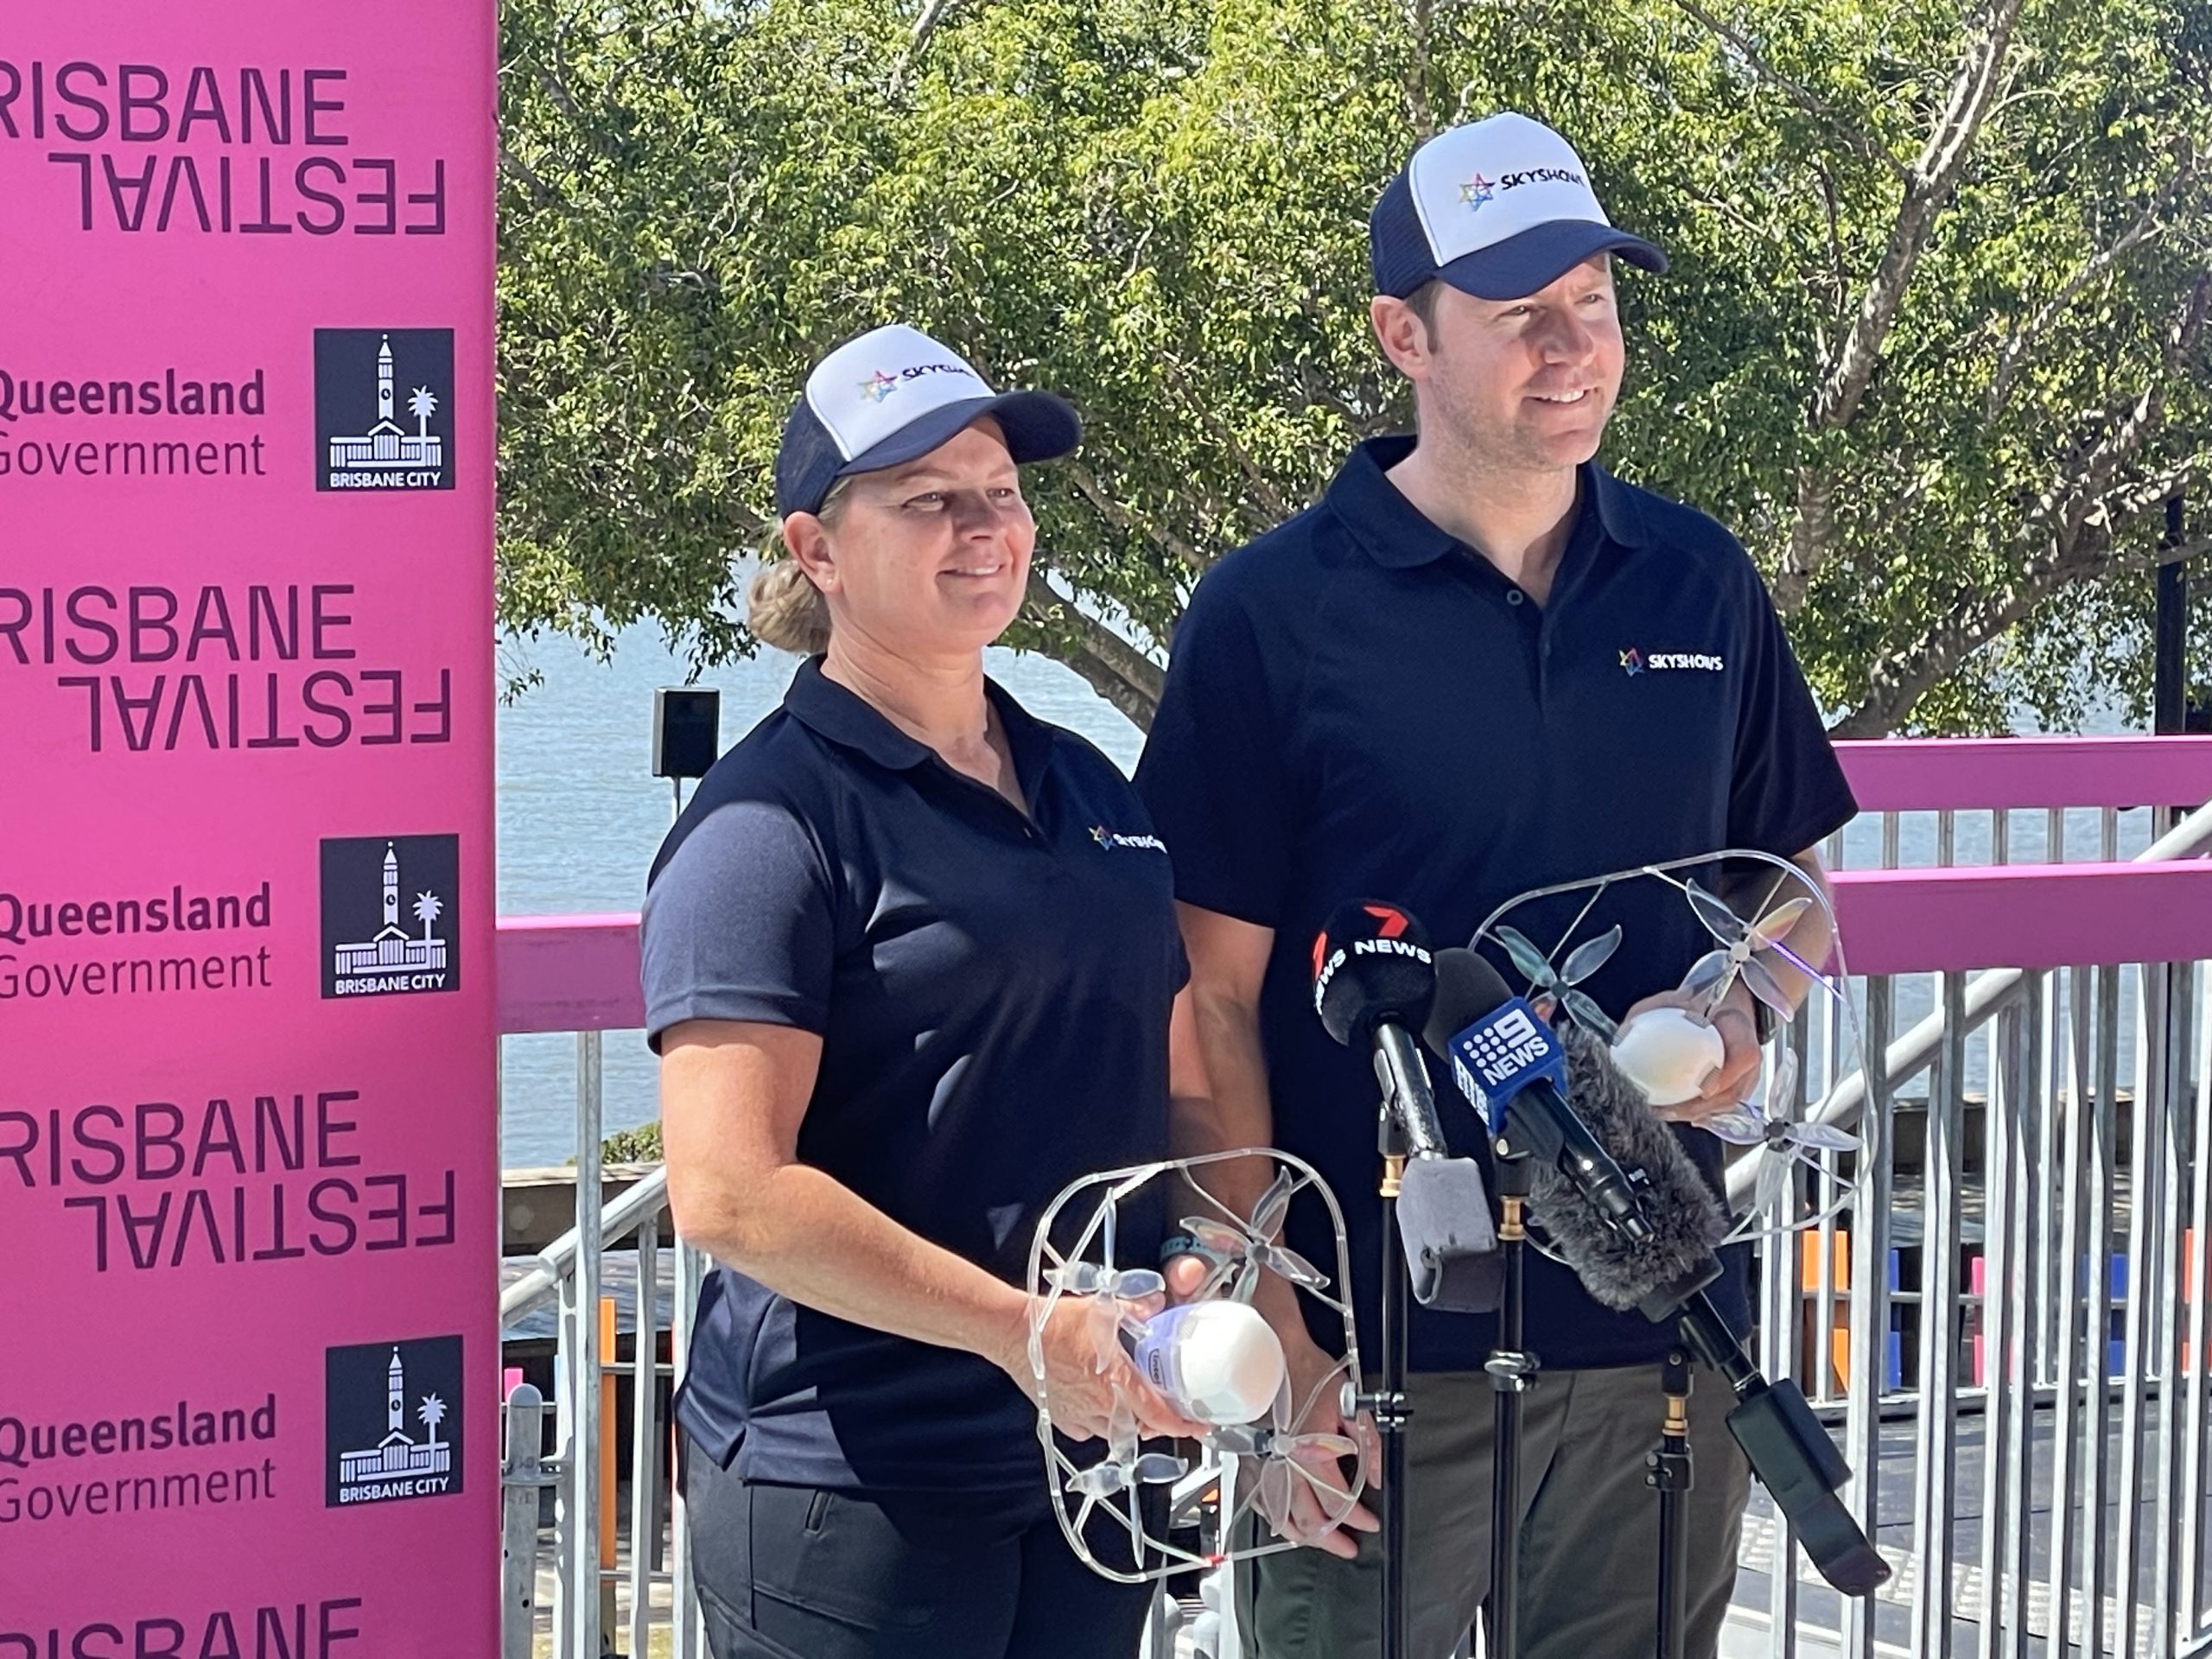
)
(1499, 209)
(891, 396)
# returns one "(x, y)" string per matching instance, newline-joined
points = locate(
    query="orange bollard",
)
(606, 1430)
(1808, 1285)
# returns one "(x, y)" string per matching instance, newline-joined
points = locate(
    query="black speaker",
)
(687, 731)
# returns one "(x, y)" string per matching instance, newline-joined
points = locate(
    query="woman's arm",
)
(732, 1095)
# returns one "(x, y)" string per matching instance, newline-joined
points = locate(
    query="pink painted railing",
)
(569, 973)
(580, 972)
(1968, 774)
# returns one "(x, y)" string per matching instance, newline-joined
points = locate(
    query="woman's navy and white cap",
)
(1498, 208)
(891, 396)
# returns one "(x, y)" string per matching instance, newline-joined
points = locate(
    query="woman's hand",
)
(1087, 1375)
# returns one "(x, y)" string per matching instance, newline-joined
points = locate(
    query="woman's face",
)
(927, 559)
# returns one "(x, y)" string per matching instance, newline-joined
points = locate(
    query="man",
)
(1482, 664)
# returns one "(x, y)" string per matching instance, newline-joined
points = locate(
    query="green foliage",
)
(637, 1146)
(1943, 403)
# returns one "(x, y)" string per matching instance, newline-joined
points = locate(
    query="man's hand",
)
(1305, 1520)
(1739, 1039)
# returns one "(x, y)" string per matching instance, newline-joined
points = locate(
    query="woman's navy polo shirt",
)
(1359, 706)
(992, 991)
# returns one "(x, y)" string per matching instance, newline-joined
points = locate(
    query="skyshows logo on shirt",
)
(1111, 841)
(393, 1421)
(389, 926)
(383, 408)
(1634, 661)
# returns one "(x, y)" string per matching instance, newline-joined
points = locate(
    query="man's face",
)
(1527, 385)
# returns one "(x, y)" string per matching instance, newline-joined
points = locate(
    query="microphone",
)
(1664, 1273)
(1661, 1253)
(1504, 1056)
(1374, 981)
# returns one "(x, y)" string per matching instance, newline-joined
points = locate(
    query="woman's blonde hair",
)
(783, 606)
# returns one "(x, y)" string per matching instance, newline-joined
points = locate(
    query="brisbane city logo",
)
(390, 921)
(393, 1421)
(383, 408)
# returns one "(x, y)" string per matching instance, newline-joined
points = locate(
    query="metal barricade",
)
(2009, 1330)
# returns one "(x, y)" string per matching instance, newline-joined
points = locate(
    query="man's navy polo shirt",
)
(1359, 706)
(992, 990)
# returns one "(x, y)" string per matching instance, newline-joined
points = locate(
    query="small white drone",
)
(1212, 1354)
(1670, 1052)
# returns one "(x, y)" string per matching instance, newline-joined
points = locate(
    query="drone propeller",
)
(1149, 1469)
(1081, 1278)
(1246, 1247)
(1789, 1141)
(1558, 984)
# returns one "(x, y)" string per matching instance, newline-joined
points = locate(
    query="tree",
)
(431, 1412)
(1934, 341)
(427, 908)
(422, 405)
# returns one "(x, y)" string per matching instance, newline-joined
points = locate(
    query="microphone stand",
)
(1512, 1373)
(1387, 1405)
(1407, 1126)
(1668, 1471)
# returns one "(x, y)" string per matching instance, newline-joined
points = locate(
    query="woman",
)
(909, 956)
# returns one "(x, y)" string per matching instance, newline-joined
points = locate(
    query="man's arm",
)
(1218, 1072)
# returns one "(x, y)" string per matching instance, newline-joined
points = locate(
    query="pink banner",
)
(248, 1104)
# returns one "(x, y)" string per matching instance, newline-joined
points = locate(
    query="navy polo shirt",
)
(991, 986)
(1360, 706)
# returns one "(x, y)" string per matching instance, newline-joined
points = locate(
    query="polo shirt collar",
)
(849, 720)
(1396, 535)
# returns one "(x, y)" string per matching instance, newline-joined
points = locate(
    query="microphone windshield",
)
(1685, 1219)
(1467, 988)
(1371, 963)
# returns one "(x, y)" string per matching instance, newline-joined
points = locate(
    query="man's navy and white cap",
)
(893, 395)
(1498, 208)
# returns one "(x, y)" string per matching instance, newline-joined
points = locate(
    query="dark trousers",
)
(798, 1572)
(1589, 1531)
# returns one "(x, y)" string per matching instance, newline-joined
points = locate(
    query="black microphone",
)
(1654, 1256)
(1510, 1063)
(1374, 978)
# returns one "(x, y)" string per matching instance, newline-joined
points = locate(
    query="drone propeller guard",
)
(1098, 1485)
(1788, 1179)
